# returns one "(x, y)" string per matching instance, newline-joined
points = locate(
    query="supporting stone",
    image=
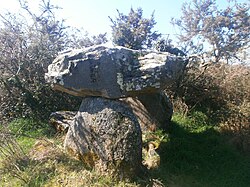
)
(106, 136)
(153, 111)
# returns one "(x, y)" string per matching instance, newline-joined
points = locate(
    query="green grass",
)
(27, 131)
(198, 155)
(194, 154)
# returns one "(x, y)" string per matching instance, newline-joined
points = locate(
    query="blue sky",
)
(92, 15)
(95, 13)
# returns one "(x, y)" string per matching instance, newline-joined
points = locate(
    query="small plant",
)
(13, 160)
(151, 142)
(156, 137)
(16, 142)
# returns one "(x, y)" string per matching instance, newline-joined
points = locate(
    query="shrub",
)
(222, 91)
(28, 44)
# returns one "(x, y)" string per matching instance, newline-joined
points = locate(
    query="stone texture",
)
(114, 72)
(106, 135)
(153, 111)
(61, 120)
(152, 158)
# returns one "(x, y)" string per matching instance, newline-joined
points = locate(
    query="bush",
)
(29, 42)
(222, 92)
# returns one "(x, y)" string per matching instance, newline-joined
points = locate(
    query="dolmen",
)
(123, 96)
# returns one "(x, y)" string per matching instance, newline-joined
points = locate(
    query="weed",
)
(12, 157)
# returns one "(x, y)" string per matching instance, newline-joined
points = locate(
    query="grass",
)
(198, 155)
(195, 154)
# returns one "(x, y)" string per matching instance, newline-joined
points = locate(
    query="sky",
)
(92, 15)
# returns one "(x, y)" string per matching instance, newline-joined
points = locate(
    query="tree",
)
(204, 26)
(164, 45)
(29, 42)
(133, 31)
(80, 38)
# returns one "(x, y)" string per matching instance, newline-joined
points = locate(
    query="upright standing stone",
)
(153, 111)
(106, 135)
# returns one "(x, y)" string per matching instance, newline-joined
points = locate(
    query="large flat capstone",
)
(113, 72)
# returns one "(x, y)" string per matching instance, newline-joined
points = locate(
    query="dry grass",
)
(192, 154)
(222, 92)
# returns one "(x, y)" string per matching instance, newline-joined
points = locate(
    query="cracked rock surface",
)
(106, 135)
(113, 72)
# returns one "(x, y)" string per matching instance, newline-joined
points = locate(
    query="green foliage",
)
(204, 24)
(31, 128)
(27, 131)
(156, 137)
(13, 160)
(164, 45)
(198, 155)
(133, 31)
(198, 122)
(221, 91)
(194, 153)
(26, 138)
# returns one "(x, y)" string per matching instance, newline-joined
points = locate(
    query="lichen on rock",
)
(113, 72)
(106, 136)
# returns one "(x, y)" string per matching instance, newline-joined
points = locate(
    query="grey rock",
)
(106, 136)
(153, 111)
(114, 72)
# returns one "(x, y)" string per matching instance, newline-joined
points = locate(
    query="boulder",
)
(114, 72)
(61, 120)
(106, 136)
(153, 111)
